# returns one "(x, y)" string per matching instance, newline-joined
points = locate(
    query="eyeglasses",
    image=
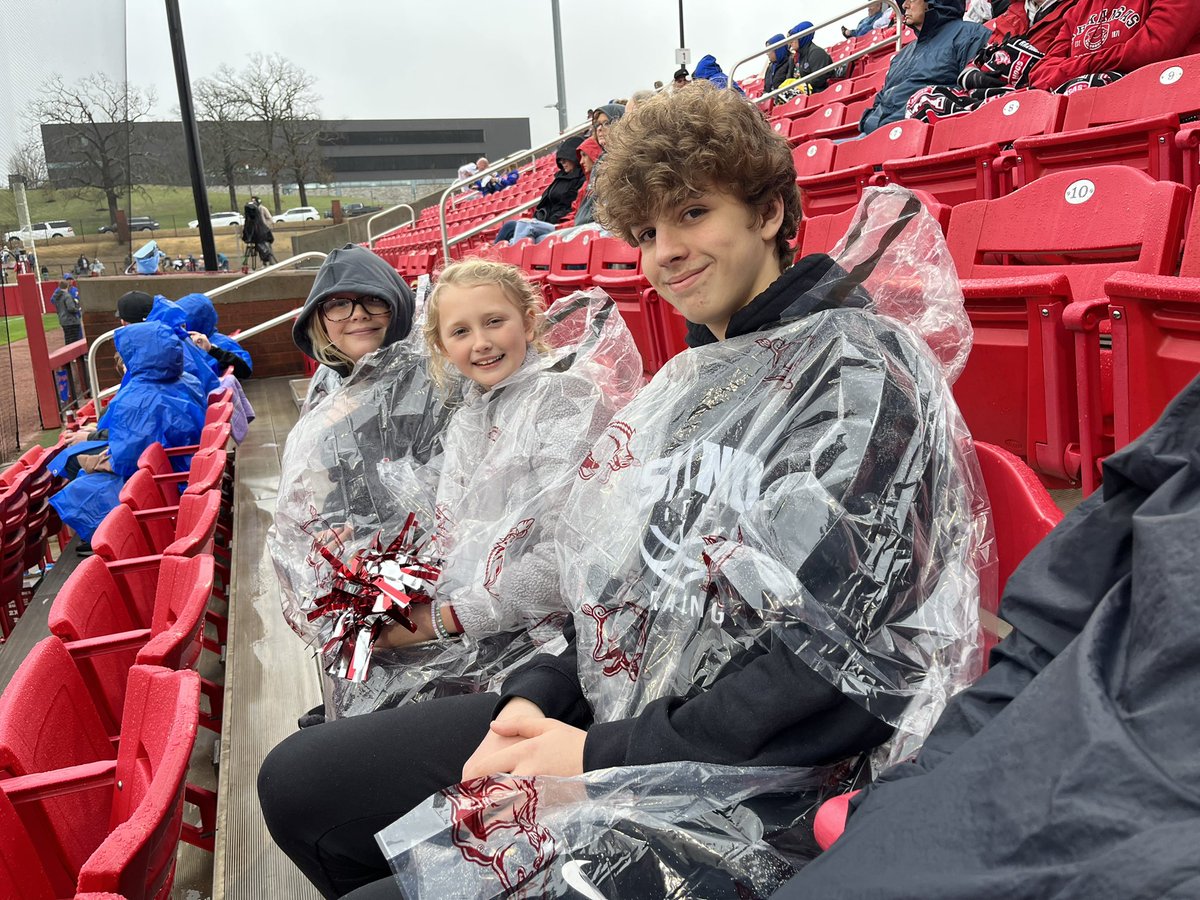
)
(339, 309)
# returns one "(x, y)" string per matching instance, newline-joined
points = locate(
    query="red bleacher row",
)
(98, 723)
(1066, 218)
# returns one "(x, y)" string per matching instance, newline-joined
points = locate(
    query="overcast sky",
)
(399, 58)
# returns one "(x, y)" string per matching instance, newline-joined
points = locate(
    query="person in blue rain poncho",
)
(223, 351)
(158, 401)
(195, 360)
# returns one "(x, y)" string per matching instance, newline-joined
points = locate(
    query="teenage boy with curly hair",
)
(826, 436)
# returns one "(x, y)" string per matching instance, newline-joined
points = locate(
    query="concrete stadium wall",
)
(273, 352)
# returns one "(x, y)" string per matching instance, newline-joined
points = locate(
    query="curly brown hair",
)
(675, 146)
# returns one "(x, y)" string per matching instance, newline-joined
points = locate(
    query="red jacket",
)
(1118, 35)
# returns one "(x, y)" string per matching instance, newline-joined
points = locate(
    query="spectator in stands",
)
(195, 361)
(1019, 39)
(877, 16)
(983, 11)
(603, 117)
(97, 268)
(557, 199)
(358, 303)
(779, 65)
(466, 170)
(1069, 768)
(223, 352)
(82, 265)
(590, 153)
(65, 300)
(707, 189)
(157, 401)
(1114, 37)
(134, 307)
(807, 58)
(709, 70)
(680, 78)
(944, 46)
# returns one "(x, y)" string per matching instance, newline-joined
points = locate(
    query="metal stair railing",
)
(412, 220)
(507, 162)
(845, 61)
(93, 351)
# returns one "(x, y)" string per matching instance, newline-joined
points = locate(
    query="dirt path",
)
(29, 423)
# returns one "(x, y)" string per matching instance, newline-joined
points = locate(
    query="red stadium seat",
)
(821, 234)
(848, 129)
(813, 158)
(91, 616)
(536, 263)
(854, 165)
(1155, 333)
(617, 270)
(14, 510)
(962, 164)
(804, 127)
(113, 825)
(1132, 122)
(570, 262)
(1025, 257)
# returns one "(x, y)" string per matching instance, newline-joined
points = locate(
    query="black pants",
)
(72, 331)
(325, 791)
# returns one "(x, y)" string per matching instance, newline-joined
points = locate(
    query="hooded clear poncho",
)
(812, 487)
(484, 491)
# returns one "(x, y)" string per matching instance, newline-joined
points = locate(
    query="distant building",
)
(355, 151)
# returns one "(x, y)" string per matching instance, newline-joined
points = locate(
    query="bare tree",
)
(305, 156)
(277, 97)
(29, 160)
(223, 132)
(95, 115)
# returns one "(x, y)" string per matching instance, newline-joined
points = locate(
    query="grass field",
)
(13, 328)
(172, 207)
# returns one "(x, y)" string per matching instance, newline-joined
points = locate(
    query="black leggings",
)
(326, 790)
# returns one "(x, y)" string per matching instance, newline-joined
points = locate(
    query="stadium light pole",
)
(559, 74)
(682, 42)
(191, 136)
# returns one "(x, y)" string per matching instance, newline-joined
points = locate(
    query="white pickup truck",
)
(42, 231)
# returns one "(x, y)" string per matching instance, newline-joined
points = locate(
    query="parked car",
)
(359, 209)
(221, 220)
(136, 223)
(299, 214)
(42, 231)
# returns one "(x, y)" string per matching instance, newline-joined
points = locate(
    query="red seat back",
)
(1001, 121)
(1084, 225)
(826, 116)
(140, 492)
(48, 721)
(196, 524)
(91, 604)
(570, 261)
(813, 157)
(1171, 86)
(19, 878)
(218, 412)
(158, 732)
(184, 588)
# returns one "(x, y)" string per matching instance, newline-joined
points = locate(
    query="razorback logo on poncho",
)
(494, 825)
(620, 637)
(495, 560)
(619, 456)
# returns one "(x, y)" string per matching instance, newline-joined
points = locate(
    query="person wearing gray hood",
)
(944, 46)
(358, 303)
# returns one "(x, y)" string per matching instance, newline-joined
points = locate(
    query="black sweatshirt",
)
(766, 707)
(227, 358)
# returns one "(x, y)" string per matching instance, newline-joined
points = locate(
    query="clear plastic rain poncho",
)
(809, 488)
(483, 502)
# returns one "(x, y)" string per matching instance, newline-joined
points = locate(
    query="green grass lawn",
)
(13, 328)
(172, 207)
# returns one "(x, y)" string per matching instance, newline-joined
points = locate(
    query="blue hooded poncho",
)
(195, 360)
(709, 70)
(202, 317)
(780, 66)
(158, 401)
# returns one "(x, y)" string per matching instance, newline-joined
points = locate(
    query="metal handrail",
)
(447, 242)
(807, 31)
(495, 220)
(93, 373)
(817, 74)
(412, 221)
